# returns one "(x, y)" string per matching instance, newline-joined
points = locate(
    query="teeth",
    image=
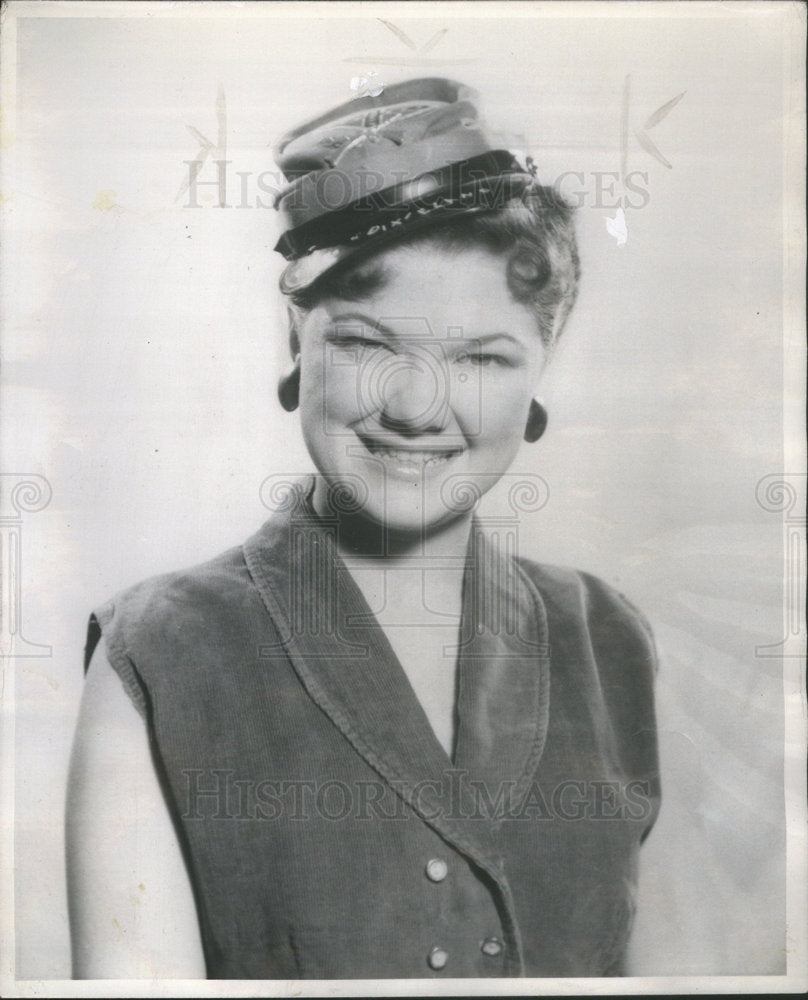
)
(412, 457)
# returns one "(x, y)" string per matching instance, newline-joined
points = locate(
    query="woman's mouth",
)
(415, 458)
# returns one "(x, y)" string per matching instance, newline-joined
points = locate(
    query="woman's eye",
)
(360, 344)
(480, 359)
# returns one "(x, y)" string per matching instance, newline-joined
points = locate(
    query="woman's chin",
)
(406, 500)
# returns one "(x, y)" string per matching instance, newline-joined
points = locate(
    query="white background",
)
(143, 339)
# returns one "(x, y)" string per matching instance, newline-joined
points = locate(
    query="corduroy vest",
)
(326, 831)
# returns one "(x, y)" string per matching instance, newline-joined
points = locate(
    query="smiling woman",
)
(403, 403)
(372, 655)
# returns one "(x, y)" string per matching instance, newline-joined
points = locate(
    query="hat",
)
(376, 168)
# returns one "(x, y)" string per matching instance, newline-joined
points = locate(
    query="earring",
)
(536, 421)
(289, 388)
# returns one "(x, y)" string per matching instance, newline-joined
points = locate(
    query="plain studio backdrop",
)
(143, 338)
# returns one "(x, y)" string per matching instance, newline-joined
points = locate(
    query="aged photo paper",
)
(143, 337)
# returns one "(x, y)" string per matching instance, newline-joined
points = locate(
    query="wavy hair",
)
(534, 232)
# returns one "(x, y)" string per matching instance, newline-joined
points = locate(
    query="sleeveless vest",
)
(326, 832)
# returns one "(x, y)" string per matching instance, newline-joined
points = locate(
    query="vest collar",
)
(348, 667)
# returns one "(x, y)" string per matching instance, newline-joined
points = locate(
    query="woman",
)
(372, 741)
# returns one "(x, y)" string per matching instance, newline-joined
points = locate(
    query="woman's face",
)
(420, 386)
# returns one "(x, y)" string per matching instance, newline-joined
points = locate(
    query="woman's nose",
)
(413, 393)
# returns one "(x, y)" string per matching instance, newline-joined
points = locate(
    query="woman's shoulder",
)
(169, 600)
(170, 620)
(558, 579)
(573, 593)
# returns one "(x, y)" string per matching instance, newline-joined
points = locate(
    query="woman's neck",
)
(361, 541)
(413, 584)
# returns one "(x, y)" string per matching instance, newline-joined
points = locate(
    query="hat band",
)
(479, 183)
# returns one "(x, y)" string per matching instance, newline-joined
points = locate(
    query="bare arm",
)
(132, 912)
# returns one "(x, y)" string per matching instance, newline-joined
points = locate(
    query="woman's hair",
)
(534, 231)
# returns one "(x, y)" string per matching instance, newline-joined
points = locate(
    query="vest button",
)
(436, 870)
(491, 946)
(437, 958)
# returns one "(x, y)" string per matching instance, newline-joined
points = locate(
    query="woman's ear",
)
(540, 371)
(289, 384)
